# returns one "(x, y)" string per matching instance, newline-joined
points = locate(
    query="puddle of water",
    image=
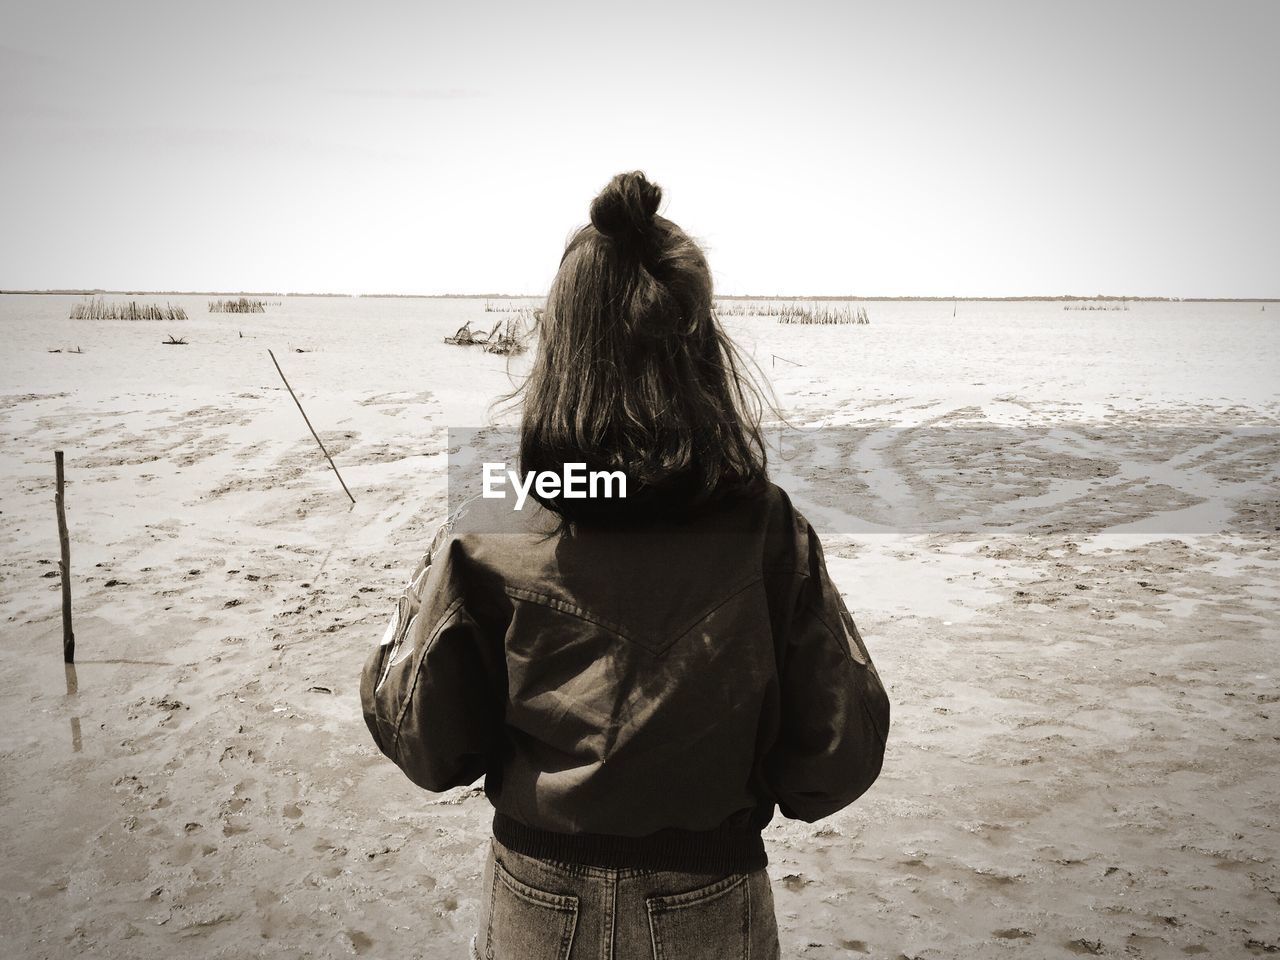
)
(891, 577)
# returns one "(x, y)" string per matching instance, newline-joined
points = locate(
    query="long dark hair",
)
(633, 370)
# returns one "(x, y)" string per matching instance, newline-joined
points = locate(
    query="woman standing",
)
(641, 680)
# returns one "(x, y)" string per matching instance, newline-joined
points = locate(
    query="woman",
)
(641, 680)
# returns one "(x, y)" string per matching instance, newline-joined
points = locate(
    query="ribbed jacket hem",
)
(726, 849)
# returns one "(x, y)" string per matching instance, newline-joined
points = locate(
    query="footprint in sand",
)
(1013, 933)
(360, 942)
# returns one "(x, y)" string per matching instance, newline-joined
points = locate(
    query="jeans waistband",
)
(729, 848)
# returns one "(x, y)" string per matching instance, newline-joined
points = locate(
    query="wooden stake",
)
(64, 566)
(309, 427)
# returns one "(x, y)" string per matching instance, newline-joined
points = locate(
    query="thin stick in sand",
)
(309, 426)
(64, 565)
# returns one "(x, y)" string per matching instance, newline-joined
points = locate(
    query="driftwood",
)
(463, 337)
(507, 336)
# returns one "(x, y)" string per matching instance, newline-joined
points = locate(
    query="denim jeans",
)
(534, 909)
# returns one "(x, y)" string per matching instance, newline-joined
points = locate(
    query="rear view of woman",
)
(640, 680)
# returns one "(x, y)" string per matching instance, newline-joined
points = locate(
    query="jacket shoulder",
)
(788, 534)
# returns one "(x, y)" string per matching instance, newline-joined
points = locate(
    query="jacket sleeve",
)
(834, 710)
(432, 690)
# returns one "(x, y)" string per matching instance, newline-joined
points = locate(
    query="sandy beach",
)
(1055, 529)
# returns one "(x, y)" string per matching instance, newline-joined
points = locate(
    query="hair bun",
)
(625, 208)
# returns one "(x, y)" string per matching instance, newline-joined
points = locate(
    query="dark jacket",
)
(632, 696)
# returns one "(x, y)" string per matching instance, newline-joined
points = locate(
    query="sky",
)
(813, 148)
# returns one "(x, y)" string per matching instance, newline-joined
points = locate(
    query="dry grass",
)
(508, 307)
(796, 312)
(507, 337)
(243, 305)
(100, 309)
(1093, 305)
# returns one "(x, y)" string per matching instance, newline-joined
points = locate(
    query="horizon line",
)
(89, 291)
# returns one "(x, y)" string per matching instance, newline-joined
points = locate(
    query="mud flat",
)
(1078, 630)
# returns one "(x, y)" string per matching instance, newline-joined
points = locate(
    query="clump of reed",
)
(795, 312)
(243, 305)
(508, 337)
(1091, 305)
(510, 342)
(506, 307)
(100, 309)
(824, 315)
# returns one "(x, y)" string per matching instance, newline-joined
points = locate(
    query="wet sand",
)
(1082, 759)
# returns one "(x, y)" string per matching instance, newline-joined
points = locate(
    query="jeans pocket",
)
(712, 922)
(526, 923)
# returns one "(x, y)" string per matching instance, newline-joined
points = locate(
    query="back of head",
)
(633, 370)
